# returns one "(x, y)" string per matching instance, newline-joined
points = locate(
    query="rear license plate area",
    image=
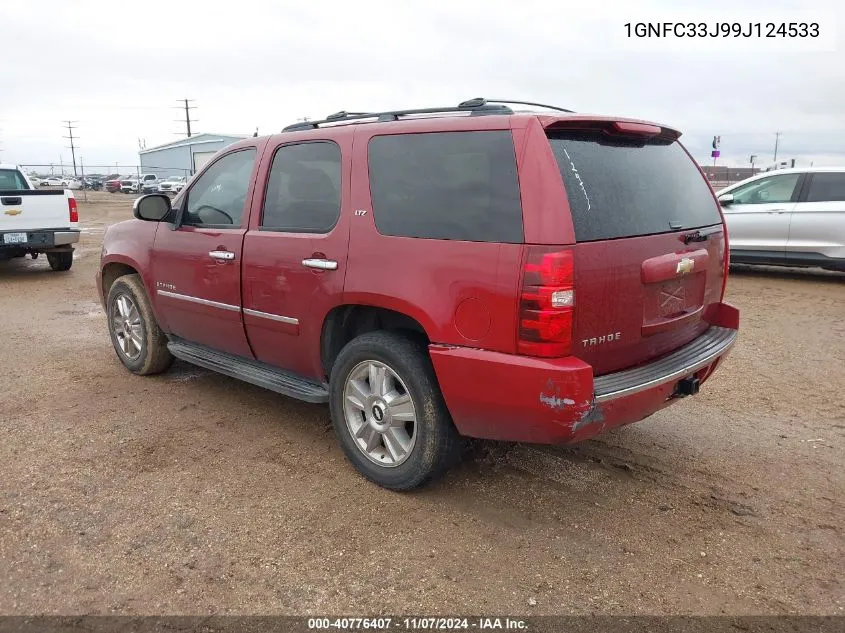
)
(14, 238)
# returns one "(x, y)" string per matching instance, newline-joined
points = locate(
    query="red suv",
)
(463, 271)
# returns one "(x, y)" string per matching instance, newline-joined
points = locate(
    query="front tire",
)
(388, 412)
(137, 339)
(60, 261)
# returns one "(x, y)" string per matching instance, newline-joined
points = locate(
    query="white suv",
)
(149, 183)
(173, 184)
(788, 217)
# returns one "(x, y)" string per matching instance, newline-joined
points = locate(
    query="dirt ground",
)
(193, 493)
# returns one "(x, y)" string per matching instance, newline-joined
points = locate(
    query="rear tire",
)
(60, 261)
(393, 452)
(137, 339)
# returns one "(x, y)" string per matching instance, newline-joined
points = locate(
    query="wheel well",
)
(344, 323)
(112, 271)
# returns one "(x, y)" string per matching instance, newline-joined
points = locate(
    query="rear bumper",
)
(517, 398)
(43, 239)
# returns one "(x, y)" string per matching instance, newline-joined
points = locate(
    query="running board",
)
(251, 371)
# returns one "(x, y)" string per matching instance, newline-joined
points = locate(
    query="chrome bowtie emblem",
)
(685, 266)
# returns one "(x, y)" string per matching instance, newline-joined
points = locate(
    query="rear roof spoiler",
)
(610, 125)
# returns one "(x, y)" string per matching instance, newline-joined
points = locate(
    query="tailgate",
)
(649, 257)
(33, 209)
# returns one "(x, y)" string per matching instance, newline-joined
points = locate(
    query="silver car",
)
(788, 217)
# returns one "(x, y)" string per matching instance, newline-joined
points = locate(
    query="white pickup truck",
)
(34, 221)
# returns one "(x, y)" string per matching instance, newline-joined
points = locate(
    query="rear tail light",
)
(72, 210)
(546, 303)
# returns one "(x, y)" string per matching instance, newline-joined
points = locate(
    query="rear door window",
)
(446, 185)
(827, 187)
(624, 188)
(303, 189)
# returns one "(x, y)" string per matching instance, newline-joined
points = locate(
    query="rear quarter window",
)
(619, 187)
(446, 185)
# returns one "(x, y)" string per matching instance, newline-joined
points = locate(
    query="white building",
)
(185, 156)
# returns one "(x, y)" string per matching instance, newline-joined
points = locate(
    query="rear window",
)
(11, 179)
(624, 188)
(446, 185)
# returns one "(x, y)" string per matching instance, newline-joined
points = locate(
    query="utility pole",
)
(188, 109)
(70, 129)
(777, 139)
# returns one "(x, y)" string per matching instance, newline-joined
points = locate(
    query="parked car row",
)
(67, 182)
(145, 183)
(114, 183)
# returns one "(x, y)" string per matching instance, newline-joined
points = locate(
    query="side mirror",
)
(153, 207)
(726, 198)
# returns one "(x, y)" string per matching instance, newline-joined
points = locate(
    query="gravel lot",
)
(192, 493)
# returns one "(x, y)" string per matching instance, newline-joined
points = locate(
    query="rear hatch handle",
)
(11, 200)
(700, 235)
(695, 236)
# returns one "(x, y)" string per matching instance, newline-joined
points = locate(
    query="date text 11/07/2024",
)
(722, 29)
(418, 623)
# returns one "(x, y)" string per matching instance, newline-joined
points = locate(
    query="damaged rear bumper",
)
(518, 398)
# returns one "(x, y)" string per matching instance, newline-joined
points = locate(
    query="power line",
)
(188, 109)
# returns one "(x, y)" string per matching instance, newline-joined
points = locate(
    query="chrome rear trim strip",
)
(272, 317)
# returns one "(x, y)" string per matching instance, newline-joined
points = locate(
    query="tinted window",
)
(448, 185)
(767, 190)
(11, 179)
(623, 188)
(303, 190)
(827, 187)
(218, 196)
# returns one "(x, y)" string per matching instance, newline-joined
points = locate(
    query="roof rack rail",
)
(476, 107)
(479, 100)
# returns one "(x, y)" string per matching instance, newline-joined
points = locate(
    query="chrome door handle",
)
(224, 255)
(320, 264)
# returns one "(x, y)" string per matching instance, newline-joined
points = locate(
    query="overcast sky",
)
(119, 72)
